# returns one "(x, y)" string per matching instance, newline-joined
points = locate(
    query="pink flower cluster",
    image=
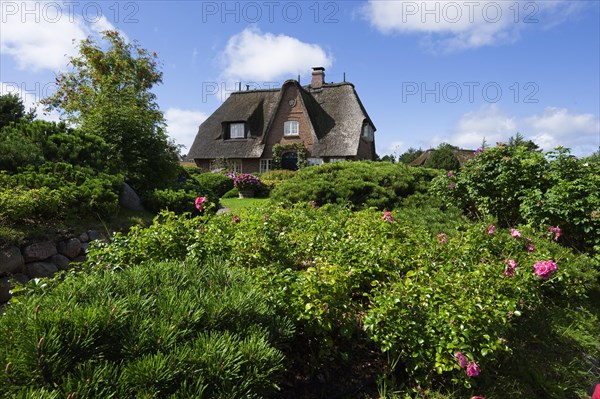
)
(556, 231)
(515, 233)
(530, 247)
(200, 203)
(545, 269)
(491, 229)
(387, 217)
(472, 367)
(510, 270)
(479, 150)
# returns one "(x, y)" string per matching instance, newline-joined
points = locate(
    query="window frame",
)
(237, 125)
(266, 165)
(368, 132)
(289, 132)
(314, 161)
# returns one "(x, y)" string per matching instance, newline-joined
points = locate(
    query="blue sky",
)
(426, 71)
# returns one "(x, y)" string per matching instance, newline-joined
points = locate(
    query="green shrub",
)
(362, 184)
(514, 185)
(19, 204)
(412, 286)
(179, 201)
(494, 182)
(74, 190)
(571, 201)
(233, 193)
(443, 157)
(178, 196)
(34, 142)
(218, 183)
(156, 330)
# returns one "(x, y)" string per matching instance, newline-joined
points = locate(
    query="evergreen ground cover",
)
(407, 283)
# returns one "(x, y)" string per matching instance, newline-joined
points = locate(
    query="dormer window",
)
(237, 131)
(368, 132)
(291, 128)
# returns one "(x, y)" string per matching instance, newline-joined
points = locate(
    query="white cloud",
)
(30, 96)
(182, 125)
(457, 25)
(487, 123)
(557, 126)
(41, 35)
(554, 127)
(252, 55)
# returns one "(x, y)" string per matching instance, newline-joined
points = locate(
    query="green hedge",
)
(362, 184)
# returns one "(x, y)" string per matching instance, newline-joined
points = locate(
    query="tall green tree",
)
(109, 92)
(13, 110)
(410, 155)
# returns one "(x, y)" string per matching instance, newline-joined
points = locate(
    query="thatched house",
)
(257, 130)
(461, 155)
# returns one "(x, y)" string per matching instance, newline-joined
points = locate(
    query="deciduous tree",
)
(108, 92)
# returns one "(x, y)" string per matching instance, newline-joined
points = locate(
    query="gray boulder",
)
(39, 251)
(129, 199)
(61, 262)
(11, 261)
(5, 287)
(40, 269)
(69, 248)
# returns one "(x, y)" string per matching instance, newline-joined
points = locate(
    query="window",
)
(235, 165)
(332, 160)
(228, 164)
(291, 128)
(237, 131)
(266, 165)
(367, 132)
(314, 161)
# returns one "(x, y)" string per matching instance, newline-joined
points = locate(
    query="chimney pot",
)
(318, 78)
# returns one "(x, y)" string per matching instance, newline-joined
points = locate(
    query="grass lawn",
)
(235, 204)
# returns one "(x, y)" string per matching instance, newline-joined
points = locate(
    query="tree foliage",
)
(410, 155)
(12, 110)
(108, 92)
(443, 157)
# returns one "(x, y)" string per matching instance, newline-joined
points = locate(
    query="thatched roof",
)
(462, 156)
(335, 111)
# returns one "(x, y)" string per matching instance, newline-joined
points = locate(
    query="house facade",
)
(258, 130)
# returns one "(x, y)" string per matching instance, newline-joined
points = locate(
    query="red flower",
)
(199, 203)
(387, 217)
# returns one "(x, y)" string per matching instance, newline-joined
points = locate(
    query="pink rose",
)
(199, 203)
(491, 229)
(515, 233)
(472, 369)
(545, 269)
(387, 217)
(462, 360)
(556, 231)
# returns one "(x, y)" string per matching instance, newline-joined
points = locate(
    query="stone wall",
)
(40, 259)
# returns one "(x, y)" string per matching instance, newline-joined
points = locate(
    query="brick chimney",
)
(318, 78)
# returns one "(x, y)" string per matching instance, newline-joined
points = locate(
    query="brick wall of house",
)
(287, 113)
(366, 150)
(203, 164)
(250, 165)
